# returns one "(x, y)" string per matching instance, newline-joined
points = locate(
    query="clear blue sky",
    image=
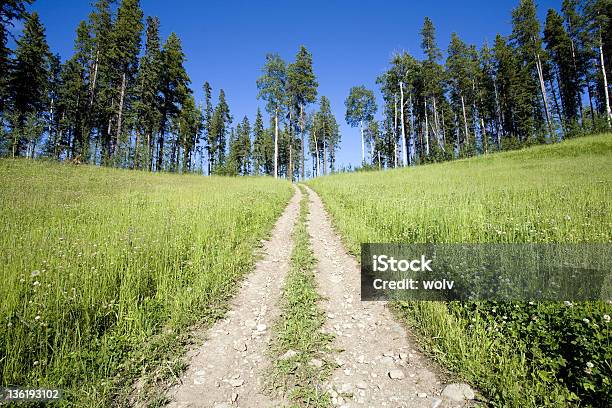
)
(351, 41)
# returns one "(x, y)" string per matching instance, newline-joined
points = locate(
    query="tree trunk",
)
(543, 92)
(362, 143)
(412, 133)
(404, 150)
(557, 107)
(120, 112)
(276, 144)
(302, 126)
(578, 96)
(136, 150)
(426, 130)
(324, 158)
(605, 79)
(436, 125)
(395, 131)
(465, 126)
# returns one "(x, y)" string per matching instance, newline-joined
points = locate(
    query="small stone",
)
(236, 382)
(458, 392)
(240, 347)
(315, 362)
(250, 323)
(288, 354)
(261, 327)
(403, 356)
(421, 395)
(200, 373)
(360, 359)
(388, 354)
(346, 388)
(361, 385)
(396, 374)
(234, 397)
(347, 371)
(388, 361)
(198, 381)
(436, 402)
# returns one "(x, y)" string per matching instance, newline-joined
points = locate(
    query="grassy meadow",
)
(518, 354)
(102, 270)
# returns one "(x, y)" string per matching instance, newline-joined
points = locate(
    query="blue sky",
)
(351, 41)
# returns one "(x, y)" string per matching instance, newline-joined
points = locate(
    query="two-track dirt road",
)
(377, 363)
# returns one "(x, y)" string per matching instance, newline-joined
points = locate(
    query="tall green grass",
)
(518, 354)
(102, 270)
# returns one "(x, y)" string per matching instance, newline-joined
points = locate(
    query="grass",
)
(103, 271)
(518, 354)
(299, 348)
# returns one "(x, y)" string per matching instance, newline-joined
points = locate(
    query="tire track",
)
(227, 369)
(379, 366)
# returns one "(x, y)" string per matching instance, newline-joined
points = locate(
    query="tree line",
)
(124, 98)
(534, 86)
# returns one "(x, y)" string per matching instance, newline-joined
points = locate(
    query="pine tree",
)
(124, 56)
(262, 155)
(528, 42)
(360, 109)
(302, 88)
(219, 129)
(147, 102)
(100, 107)
(272, 89)
(460, 78)
(10, 12)
(559, 46)
(29, 84)
(189, 131)
(174, 89)
(432, 78)
(73, 100)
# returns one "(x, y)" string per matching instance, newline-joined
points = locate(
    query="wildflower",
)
(568, 218)
(36, 363)
(587, 321)
(37, 317)
(35, 273)
(568, 303)
(590, 365)
(606, 318)
(36, 283)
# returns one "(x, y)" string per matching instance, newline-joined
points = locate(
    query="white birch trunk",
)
(467, 137)
(404, 151)
(605, 79)
(543, 92)
(426, 130)
(120, 113)
(276, 144)
(395, 131)
(362, 143)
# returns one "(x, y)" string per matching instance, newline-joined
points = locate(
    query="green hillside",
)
(518, 354)
(103, 270)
